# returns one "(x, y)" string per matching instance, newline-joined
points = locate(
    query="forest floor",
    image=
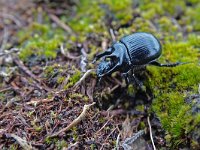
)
(51, 98)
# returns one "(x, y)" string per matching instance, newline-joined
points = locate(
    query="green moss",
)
(131, 90)
(142, 125)
(49, 140)
(60, 79)
(78, 96)
(160, 7)
(13, 147)
(74, 78)
(38, 128)
(170, 87)
(151, 9)
(56, 74)
(140, 108)
(121, 9)
(88, 18)
(192, 17)
(61, 144)
(41, 40)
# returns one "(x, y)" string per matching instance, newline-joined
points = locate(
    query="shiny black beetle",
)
(131, 53)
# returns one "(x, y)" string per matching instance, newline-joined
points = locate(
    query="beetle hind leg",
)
(155, 63)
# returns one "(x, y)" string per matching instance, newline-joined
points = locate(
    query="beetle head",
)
(107, 66)
(114, 59)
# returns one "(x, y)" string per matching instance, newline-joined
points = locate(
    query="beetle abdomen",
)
(142, 47)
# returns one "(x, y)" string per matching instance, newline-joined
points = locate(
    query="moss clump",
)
(88, 18)
(73, 79)
(56, 74)
(170, 87)
(121, 9)
(61, 144)
(39, 40)
(192, 17)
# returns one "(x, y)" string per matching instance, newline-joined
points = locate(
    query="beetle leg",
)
(133, 78)
(105, 53)
(155, 63)
(139, 83)
(125, 75)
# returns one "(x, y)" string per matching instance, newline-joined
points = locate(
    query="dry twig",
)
(74, 122)
(150, 130)
(7, 52)
(102, 127)
(67, 54)
(117, 112)
(83, 77)
(11, 17)
(36, 102)
(60, 23)
(21, 66)
(23, 143)
(4, 39)
(25, 69)
(117, 142)
(112, 35)
(5, 89)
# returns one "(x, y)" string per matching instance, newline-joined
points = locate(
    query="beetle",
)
(131, 53)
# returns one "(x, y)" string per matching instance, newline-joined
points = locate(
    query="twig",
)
(36, 102)
(83, 62)
(37, 82)
(5, 89)
(117, 142)
(112, 35)
(75, 121)
(9, 104)
(117, 112)
(4, 39)
(102, 127)
(67, 54)
(150, 130)
(110, 134)
(60, 23)
(6, 52)
(71, 146)
(23, 143)
(83, 77)
(11, 17)
(25, 69)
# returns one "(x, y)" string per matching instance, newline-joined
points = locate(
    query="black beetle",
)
(131, 53)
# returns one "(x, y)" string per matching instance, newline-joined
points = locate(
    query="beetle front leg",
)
(155, 63)
(105, 53)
